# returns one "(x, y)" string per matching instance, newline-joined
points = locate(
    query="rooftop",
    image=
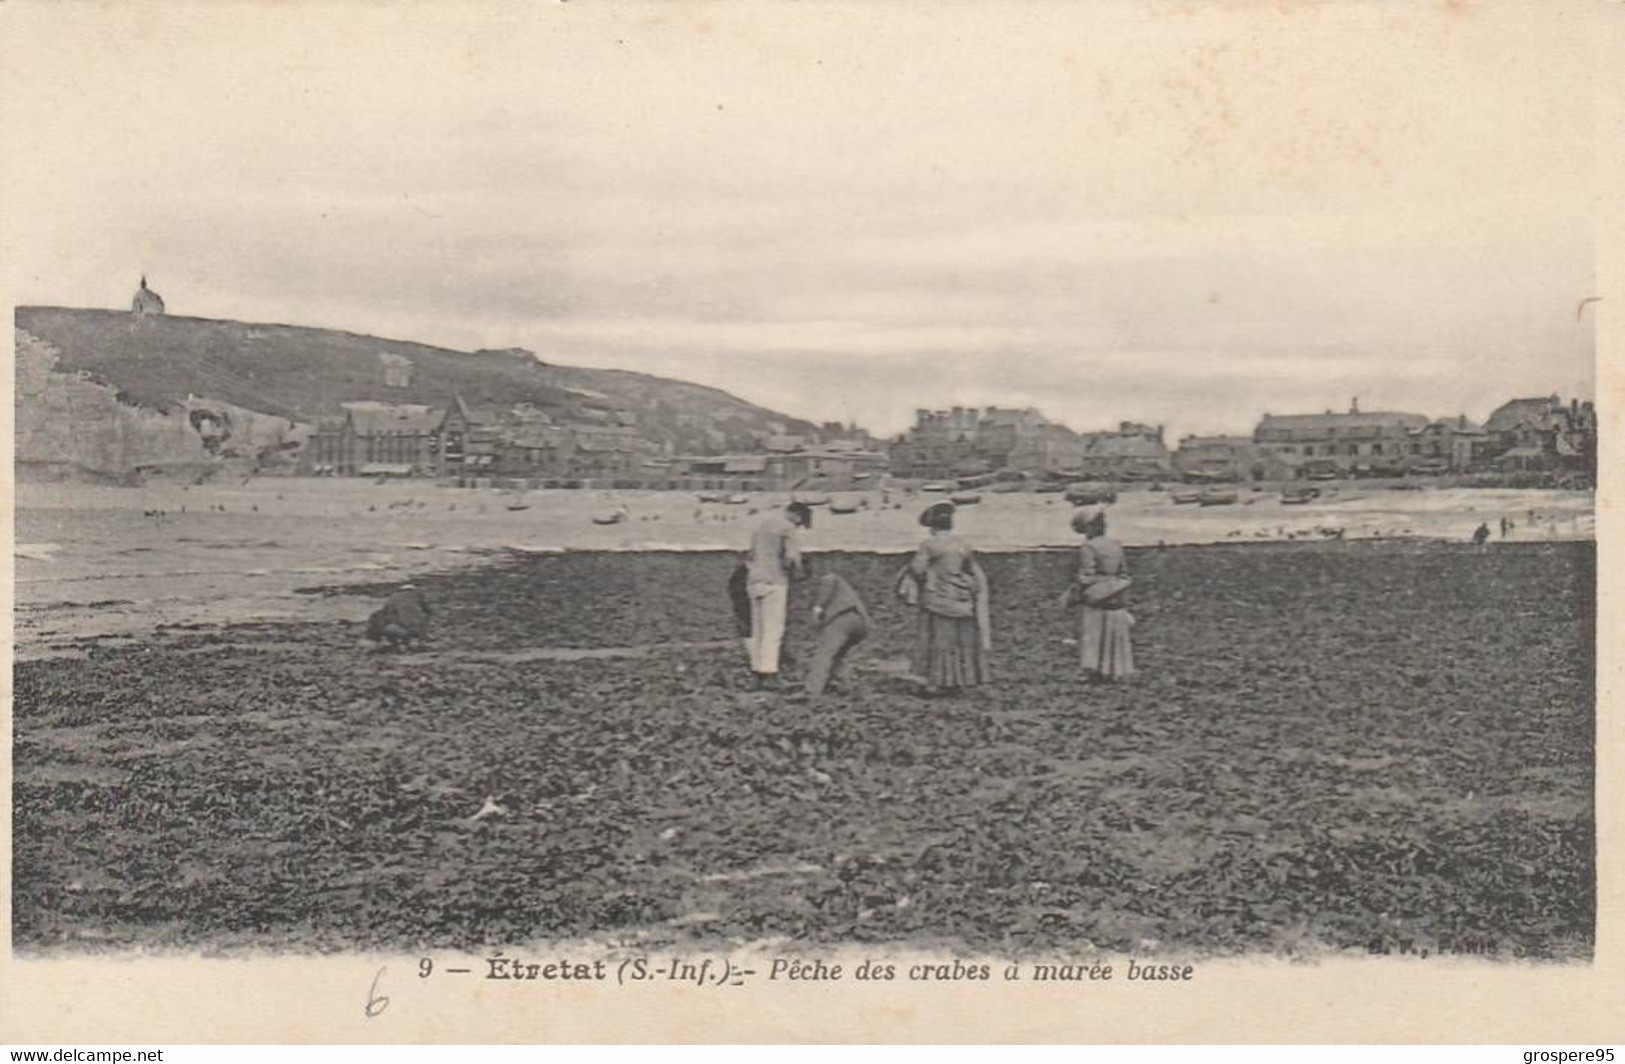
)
(1216, 441)
(1351, 419)
(373, 419)
(1113, 446)
(1519, 412)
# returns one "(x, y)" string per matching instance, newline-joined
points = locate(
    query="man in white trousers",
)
(774, 560)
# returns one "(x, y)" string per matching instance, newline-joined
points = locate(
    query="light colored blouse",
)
(774, 553)
(1101, 556)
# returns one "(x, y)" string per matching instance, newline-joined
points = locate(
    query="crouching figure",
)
(403, 619)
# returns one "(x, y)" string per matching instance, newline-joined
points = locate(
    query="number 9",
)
(425, 967)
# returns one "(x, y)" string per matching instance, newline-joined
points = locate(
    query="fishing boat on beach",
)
(1218, 498)
(1090, 495)
(1299, 496)
(515, 500)
(1186, 498)
(966, 498)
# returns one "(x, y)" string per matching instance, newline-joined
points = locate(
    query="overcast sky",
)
(1180, 213)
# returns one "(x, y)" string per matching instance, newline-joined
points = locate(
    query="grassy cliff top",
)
(306, 373)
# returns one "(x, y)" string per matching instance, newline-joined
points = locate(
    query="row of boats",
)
(1225, 497)
(838, 506)
(1078, 494)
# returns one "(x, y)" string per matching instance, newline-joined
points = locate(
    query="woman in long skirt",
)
(950, 588)
(1107, 652)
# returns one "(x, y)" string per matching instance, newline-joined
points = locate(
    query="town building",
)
(1135, 451)
(1542, 433)
(836, 432)
(721, 470)
(782, 443)
(1341, 441)
(469, 440)
(1054, 448)
(378, 439)
(397, 370)
(942, 444)
(838, 461)
(524, 440)
(837, 465)
(1220, 458)
(965, 441)
(1449, 443)
(1027, 441)
(606, 450)
(466, 440)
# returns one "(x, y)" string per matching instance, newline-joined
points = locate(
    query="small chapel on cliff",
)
(146, 301)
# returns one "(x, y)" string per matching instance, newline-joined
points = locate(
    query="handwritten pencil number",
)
(425, 967)
(376, 1002)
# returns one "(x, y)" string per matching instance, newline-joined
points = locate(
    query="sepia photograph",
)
(1034, 486)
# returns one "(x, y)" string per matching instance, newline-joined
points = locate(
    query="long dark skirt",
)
(948, 652)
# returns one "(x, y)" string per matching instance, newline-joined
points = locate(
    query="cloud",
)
(1163, 212)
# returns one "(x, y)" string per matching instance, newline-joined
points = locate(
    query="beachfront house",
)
(1542, 433)
(839, 460)
(1341, 440)
(1134, 452)
(377, 439)
(1449, 443)
(469, 440)
(1230, 458)
(940, 443)
(965, 441)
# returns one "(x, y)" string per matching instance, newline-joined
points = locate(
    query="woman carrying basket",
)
(946, 583)
(1106, 649)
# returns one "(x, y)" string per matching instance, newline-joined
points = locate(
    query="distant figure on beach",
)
(1106, 650)
(843, 623)
(950, 588)
(1506, 526)
(774, 560)
(1481, 535)
(402, 619)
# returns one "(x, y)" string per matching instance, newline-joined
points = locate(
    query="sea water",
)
(96, 561)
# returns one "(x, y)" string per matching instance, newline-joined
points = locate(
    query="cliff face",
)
(302, 374)
(70, 426)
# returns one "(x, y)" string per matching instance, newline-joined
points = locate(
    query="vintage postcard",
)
(654, 522)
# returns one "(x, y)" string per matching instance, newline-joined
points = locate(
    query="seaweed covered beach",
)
(1333, 747)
